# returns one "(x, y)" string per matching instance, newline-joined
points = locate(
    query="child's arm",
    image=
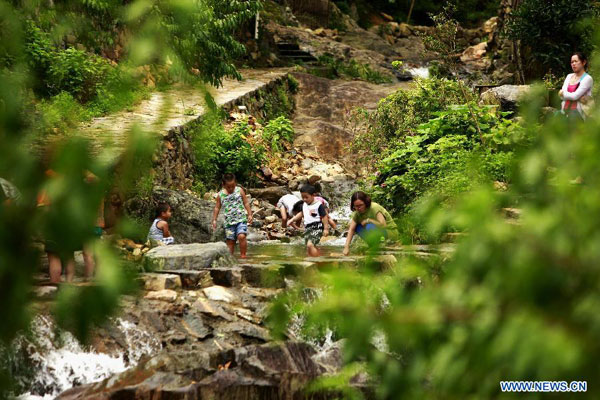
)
(297, 218)
(216, 212)
(323, 214)
(164, 227)
(246, 205)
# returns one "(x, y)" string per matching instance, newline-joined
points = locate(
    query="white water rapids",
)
(60, 362)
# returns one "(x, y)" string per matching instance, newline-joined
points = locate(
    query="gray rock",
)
(228, 277)
(195, 256)
(271, 194)
(194, 326)
(154, 281)
(505, 96)
(192, 216)
(219, 293)
(192, 279)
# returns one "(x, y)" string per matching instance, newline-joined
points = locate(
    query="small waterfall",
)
(419, 72)
(51, 361)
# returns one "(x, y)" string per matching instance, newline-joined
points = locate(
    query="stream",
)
(47, 361)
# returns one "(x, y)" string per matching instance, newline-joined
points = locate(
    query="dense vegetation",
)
(242, 149)
(515, 301)
(83, 63)
(551, 31)
(426, 139)
(50, 67)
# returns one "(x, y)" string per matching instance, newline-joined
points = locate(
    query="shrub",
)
(399, 115)
(78, 73)
(439, 154)
(60, 113)
(277, 133)
(218, 151)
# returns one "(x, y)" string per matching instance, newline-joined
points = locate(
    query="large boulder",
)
(192, 216)
(507, 97)
(195, 256)
(269, 371)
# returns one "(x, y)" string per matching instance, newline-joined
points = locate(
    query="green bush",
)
(399, 115)
(78, 73)
(277, 133)
(552, 31)
(218, 151)
(440, 153)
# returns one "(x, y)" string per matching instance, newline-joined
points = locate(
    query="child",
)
(159, 230)
(315, 218)
(233, 199)
(286, 205)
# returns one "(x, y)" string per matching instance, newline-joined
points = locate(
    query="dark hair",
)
(228, 177)
(310, 189)
(161, 208)
(360, 196)
(582, 58)
(297, 207)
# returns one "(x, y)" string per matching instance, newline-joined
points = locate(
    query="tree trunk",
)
(412, 5)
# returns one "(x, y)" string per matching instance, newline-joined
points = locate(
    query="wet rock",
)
(211, 308)
(155, 282)
(263, 276)
(194, 326)
(228, 277)
(271, 194)
(219, 293)
(194, 256)
(246, 329)
(163, 295)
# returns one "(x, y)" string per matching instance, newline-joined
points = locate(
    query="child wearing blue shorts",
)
(232, 198)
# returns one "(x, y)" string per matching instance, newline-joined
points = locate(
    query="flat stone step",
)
(194, 256)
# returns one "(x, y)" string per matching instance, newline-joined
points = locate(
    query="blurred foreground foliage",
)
(39, 59)
(515, 300)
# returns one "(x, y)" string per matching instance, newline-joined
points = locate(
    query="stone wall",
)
(174, 162)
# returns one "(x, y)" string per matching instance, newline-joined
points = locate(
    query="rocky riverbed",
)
(196, 329)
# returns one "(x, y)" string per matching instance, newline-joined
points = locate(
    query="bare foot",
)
(243, 256)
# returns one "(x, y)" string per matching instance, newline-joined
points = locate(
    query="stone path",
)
(173, 108)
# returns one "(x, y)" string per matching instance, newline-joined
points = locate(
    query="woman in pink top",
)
(577, 88)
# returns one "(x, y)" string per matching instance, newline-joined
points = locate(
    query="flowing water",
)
(51, 361)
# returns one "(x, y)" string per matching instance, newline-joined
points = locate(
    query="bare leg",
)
(284, 217)
(243, 245)
(70, 269)
(312, 250)
(231, 245)
(54, 267)
(89, 261)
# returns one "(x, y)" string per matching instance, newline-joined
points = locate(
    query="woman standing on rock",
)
(577, 88)
(370, 221)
